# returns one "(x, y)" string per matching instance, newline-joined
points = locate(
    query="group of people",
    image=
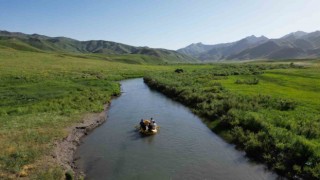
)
(148, 126)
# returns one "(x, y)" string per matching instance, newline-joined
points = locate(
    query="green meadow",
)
(270, 110)
(44, 93)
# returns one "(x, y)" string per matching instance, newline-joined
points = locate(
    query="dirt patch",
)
(65, 149)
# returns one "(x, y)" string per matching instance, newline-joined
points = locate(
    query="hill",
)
(295, 45)
(41, 43)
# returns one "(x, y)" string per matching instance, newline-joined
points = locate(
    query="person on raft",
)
(152, 124)
(148, 125)
(142, 125)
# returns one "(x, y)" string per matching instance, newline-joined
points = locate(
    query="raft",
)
(148, 132)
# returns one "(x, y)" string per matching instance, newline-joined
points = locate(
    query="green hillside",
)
(40, 43)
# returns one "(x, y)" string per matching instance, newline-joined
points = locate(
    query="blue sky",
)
(170, 24)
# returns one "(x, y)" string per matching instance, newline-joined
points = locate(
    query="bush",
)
(285, 105)
(253, 81)
(179, 71)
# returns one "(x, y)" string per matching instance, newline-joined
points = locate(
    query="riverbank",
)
(64, 150)
(267, 111)
(184, 148)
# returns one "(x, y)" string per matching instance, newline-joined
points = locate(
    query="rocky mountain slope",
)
(294, 45)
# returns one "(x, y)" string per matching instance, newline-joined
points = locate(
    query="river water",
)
(183, 149)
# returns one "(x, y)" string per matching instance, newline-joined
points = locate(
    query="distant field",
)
(302, 85)
(268, 109)
(43, 93)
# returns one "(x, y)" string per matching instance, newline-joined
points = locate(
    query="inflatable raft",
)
(147, 131)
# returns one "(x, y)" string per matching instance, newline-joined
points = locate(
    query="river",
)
(184, 148)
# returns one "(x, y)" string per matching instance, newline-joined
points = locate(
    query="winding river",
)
(185, 148)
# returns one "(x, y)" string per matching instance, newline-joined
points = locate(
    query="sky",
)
(170, 24)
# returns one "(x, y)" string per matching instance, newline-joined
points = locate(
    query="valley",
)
(267, 108)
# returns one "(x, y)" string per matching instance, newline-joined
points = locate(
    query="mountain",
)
(170, 55)
(41, 43)
(256, 52)
(294, 45)
(197, 48)
(221, 51)
(296, 34)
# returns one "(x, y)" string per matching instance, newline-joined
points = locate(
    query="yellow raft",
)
(148, 132)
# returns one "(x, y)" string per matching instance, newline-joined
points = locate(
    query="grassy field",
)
(43, 93)
(267, 109)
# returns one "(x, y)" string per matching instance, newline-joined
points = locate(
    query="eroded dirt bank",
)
(63, 153)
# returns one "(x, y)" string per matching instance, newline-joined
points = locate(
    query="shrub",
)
(285, 105)
(179, 71)
(253, 81)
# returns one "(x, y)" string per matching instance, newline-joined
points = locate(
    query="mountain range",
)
(41, 43)
(295, 45)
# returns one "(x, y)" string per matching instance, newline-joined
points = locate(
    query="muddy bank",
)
(65, 149)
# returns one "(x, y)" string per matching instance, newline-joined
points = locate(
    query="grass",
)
(302, 85)
(42, 94)
(269, 110)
